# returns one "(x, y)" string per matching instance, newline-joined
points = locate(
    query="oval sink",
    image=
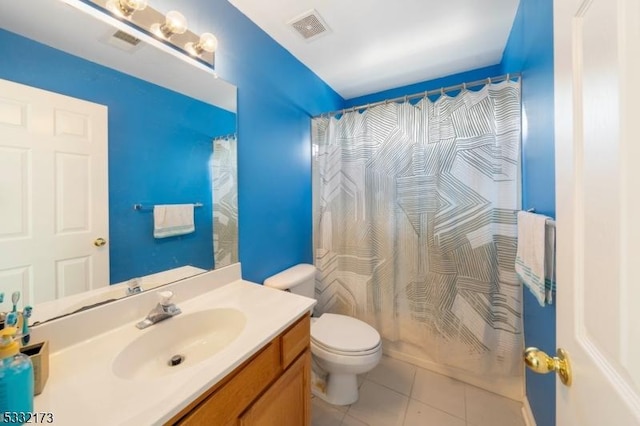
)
(179, 342)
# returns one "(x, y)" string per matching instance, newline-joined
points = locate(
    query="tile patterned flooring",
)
(396, 393)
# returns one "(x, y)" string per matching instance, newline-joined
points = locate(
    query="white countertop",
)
(82, 388)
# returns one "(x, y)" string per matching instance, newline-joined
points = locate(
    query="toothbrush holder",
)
(39, 355)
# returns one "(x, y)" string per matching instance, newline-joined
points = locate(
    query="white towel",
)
(535, 258)
(172, 219)
(550, 260)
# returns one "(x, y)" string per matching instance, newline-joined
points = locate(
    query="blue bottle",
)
(16, 380)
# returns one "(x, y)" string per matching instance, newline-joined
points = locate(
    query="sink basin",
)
(184, 340)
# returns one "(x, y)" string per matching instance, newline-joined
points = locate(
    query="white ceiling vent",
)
(127, 38)
(122, 41)
(309, 25)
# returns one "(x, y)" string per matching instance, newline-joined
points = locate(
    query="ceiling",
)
(374, 45)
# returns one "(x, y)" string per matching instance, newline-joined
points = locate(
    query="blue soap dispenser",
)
(16, 377)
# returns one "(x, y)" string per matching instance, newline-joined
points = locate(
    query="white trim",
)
(527, 414)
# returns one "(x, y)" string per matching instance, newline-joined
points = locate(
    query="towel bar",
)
(550, 222)
(139, 206)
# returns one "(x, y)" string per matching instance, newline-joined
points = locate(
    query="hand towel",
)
(550, 260)
(172, 219)
(534, 259)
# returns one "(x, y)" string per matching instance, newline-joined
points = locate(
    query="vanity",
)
(245, 358)
(271, 388)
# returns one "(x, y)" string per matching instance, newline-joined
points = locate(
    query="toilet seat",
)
(344, 353)
(344, 335)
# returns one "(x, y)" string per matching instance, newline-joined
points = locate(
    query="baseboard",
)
(527, 414)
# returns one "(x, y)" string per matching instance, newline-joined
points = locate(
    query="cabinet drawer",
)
(295, 340)
(225, 405)
(287, 402)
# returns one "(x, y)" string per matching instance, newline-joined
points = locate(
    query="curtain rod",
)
(424, 94)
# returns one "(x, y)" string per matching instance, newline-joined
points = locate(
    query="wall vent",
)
(309, 25)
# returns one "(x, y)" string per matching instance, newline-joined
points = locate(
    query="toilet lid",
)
(344, 334)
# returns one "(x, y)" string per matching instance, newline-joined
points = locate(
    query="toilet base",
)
(338, 389)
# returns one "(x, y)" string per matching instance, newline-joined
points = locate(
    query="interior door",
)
(597, 89)
(53, 194)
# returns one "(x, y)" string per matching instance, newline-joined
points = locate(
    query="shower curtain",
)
(415, 227)
(225, 201)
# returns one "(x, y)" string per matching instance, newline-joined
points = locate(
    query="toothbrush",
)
(15, 296)
(26, 314)
(12, 319)
(2, 314)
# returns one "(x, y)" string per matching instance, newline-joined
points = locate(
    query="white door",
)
(53, 194)
(597, 89)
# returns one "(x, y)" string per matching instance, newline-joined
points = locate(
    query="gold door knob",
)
(542, 363)
(99, 242)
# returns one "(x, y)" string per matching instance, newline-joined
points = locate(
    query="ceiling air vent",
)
(122, 41)
(127, 38)
(309, 25)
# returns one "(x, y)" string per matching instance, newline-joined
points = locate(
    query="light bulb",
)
(207, 43)
(136, 4)
(176, 22)
(126, 8)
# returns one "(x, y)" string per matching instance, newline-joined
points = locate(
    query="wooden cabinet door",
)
(287, 402)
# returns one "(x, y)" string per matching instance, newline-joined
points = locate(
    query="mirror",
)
(171, 140)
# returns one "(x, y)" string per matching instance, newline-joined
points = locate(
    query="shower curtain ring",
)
(442, 91)
(464, 86)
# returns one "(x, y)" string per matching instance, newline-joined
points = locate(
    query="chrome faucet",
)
(163, 310)
(133, 286)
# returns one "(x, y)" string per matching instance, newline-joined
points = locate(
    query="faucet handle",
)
(165, 297)
(134, 282)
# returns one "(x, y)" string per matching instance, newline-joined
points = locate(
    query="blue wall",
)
(530, 50)
(159, 150)
(277, 95)
(450, 80)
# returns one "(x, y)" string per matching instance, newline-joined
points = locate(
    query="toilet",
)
(341, 346)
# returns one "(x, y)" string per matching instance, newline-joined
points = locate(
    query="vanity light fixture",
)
(207, 43)
(174, 23)
(126, 8)
(152, 26)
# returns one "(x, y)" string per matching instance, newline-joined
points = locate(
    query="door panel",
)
(597, 46)
(53, 193)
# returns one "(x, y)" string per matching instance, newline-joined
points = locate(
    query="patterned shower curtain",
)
(415, 226)
(225, 201)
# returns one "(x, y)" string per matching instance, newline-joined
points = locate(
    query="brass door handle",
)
(542, 363)
(99, 242)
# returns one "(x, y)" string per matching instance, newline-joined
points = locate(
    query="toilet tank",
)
(299, 279)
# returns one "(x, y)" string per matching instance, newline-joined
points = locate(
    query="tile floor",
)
(399, 394)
